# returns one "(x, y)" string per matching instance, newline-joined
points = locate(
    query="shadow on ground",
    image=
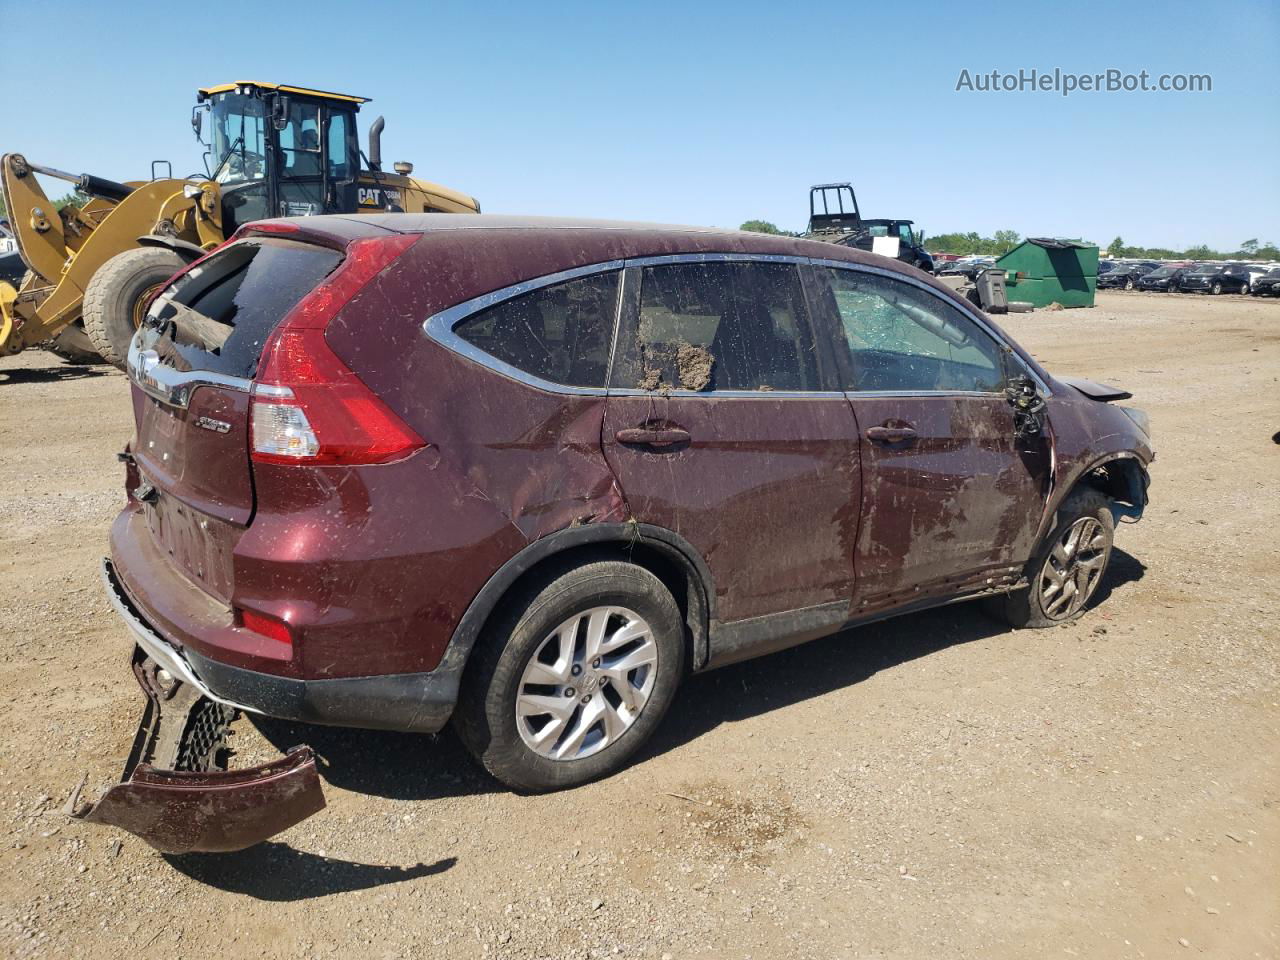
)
(277, 872)
(769, 683)
(417, 767)
(52, 374)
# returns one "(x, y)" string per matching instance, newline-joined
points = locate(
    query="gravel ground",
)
(934, 786)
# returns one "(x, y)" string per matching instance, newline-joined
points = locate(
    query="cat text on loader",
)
(271, 150)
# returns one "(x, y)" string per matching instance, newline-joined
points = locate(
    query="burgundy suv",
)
(527, 474)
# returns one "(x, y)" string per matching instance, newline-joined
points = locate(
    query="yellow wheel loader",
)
(271, 150)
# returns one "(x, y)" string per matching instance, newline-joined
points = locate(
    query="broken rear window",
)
(218, 316)
(722, 326)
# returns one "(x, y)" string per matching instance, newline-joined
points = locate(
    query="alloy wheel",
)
(586, 683)
(1073, 569)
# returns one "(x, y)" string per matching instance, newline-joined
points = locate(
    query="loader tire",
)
(73, 345)
(116, 294)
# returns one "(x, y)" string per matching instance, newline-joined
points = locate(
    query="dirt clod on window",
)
(651, 379)
(694, 365)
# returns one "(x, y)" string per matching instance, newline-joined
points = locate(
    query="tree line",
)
(1006, 240)
(75, 198)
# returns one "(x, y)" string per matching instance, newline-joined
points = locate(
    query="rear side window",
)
(722, 326)
(902, 338)
(561, 333)
(219, 315)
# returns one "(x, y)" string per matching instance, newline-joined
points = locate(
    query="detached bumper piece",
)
(177, 794)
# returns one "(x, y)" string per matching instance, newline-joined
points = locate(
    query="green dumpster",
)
(1045, 270)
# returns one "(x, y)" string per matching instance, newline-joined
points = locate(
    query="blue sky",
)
(710, 112)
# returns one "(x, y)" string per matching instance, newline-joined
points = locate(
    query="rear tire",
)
(115, 295)
(493, 718)
(1064, 575)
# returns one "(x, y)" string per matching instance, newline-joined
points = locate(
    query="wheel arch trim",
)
(701, 593)
(1136, 477)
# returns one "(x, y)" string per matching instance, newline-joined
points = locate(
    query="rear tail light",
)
(308, 406)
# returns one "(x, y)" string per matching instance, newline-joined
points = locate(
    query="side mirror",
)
(1028, 407)
(197, 121)
(280, 112)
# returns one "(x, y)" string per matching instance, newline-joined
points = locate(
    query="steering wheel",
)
(248, 164)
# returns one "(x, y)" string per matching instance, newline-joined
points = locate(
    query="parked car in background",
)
(1104, 266)
(968, 267)
(1126, 274)
(1215, 278)
(1162, 279)
(1268, 285)
(530, 473)
(1256, 272)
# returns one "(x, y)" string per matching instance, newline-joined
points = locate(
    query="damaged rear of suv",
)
(526, 475)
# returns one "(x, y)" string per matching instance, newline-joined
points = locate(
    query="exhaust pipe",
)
(375, 144)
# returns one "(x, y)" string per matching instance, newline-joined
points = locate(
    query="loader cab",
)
(281, 151)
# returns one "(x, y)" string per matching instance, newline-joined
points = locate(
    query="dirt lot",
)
(936, 786)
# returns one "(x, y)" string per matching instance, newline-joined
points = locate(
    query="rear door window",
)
(218, 316)
(560, 333)
(720, 326)
(904, 339)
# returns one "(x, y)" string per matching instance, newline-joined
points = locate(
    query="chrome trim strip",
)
(439, 327)
(732, 394)
(159, 651)
(860, 394)
(171, 386)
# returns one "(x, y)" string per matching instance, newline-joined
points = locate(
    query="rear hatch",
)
(192, 365)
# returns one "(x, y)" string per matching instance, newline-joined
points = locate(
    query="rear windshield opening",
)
(218, 316)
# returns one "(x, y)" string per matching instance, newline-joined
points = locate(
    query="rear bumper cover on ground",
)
(176, 793)
(412, 702)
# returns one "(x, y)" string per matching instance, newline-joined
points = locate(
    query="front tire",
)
(1216, 289)
(1128, 284)
(567, 685)
(118, 291)
(1067, 567)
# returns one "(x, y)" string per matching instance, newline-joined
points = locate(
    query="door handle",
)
(665, 437)
(890, 434)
